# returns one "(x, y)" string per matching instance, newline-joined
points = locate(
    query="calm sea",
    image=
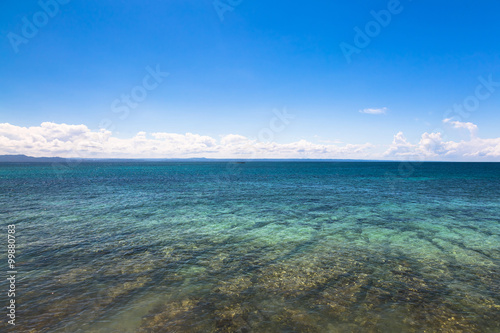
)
(253, 247)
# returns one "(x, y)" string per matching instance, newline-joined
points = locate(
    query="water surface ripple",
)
(254, 247)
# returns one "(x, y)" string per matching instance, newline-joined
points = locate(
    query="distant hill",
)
(24, 158)
(31, 159)
(28, 159)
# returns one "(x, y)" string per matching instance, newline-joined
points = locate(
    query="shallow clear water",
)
(254, 247)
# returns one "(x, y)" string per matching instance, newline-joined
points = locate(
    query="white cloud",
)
(234, 139)
(433, 147)
(431, 144)
(400, 146)
(374, 111)
(64, 140)
(50, 139)
(472, 128)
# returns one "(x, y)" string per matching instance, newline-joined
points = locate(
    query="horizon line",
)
(33, 159)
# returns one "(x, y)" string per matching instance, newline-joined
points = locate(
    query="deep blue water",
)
(254, 247)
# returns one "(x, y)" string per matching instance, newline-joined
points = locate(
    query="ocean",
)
(253, 247)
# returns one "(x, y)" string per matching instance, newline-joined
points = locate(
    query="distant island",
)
(31, 159)
(24, 159)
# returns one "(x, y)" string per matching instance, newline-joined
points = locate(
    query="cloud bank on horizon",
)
(70, 141)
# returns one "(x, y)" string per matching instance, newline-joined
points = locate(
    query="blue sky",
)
(227, 76)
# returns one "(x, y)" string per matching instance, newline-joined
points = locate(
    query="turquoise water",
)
(254, 247)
